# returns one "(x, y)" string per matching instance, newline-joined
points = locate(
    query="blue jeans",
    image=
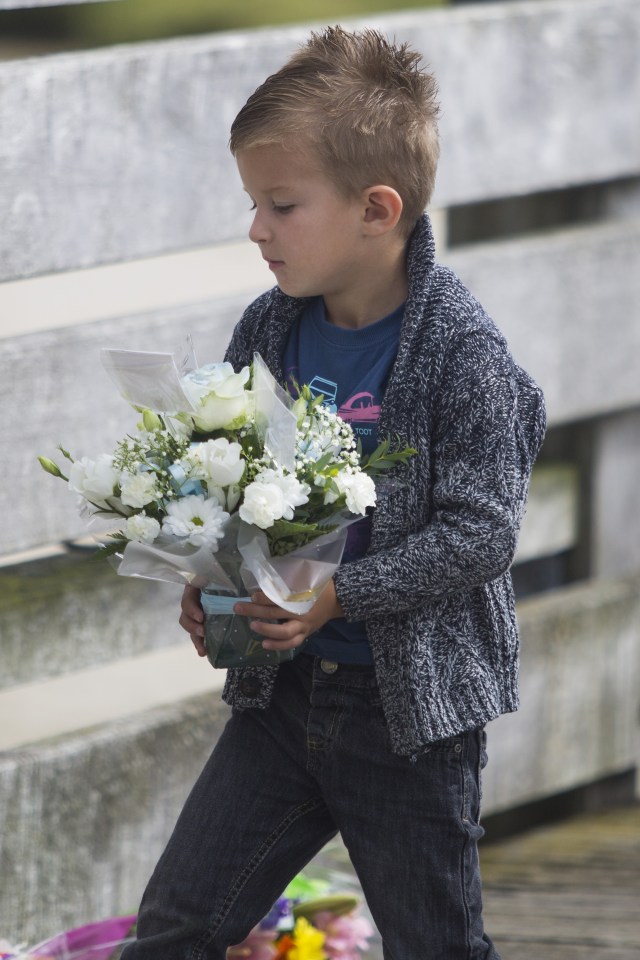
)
(280, 783)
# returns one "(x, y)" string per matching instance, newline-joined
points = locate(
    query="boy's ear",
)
(382, 208)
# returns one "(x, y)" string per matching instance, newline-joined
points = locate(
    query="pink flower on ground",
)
(257, 946)
(346, 935)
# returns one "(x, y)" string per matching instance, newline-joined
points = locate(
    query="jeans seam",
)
(466, 786)
(467, 915)
(254, 862)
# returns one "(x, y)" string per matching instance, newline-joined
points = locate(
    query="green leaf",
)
(289, 528)
(303, 886)
(323, 462)
(109, 549)
(382, 458)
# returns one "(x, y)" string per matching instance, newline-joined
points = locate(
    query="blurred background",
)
(122, 223)
(134, 20)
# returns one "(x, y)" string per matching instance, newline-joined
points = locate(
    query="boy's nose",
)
(258, 231)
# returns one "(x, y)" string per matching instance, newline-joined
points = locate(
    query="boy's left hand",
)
(293, 628)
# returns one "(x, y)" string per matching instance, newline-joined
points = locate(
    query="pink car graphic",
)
(360, 407)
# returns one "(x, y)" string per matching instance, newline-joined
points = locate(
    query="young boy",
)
(376, 728)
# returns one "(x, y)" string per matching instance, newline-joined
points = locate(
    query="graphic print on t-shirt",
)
(349, 369)
(360, 410)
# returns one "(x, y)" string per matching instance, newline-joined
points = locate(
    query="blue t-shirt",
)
(350, 368)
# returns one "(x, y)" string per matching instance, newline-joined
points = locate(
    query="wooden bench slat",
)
(120, 153)
(569, 304)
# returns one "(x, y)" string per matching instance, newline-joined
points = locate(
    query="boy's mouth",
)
(274, 264)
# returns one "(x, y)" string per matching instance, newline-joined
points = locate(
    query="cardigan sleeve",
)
(487, 429)
(239, 352)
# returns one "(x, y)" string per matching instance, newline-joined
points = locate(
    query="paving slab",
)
(567, 891)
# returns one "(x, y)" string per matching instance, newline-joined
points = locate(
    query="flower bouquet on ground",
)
(94, 941)
(307, 923)
(228, 484)
(304, 923)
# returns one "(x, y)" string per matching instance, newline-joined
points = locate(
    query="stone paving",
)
(568, 891)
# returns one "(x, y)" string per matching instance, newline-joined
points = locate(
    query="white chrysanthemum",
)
(359, 490)
(263, 504)
(138, 489)
(197, 520)
(94, 479)
(141, 528)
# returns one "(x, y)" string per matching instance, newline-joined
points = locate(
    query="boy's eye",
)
(283, 207)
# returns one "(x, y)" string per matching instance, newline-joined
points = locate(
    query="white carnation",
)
(141, 528)
(359, 490)
(263, 504)
(94, 479)
(197, 520)
(294, 492)
(138, 489)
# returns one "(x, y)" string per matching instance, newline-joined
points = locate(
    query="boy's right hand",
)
(192, 618)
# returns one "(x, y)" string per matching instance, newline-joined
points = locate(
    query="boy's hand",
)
(192, 618)
(293, 628)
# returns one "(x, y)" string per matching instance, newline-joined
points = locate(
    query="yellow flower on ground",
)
(308, 942)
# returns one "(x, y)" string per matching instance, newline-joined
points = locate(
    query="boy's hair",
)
(365, 108)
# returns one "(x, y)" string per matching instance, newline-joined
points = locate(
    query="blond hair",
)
(365, 107)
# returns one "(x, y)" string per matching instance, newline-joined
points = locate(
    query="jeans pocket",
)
(474, 760)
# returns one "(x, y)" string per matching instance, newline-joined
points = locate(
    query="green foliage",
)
(286, 535)
(134, 20)
(384, 457)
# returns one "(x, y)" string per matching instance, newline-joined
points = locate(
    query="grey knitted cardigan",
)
(434, 590)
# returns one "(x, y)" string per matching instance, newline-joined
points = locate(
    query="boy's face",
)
(309, 234)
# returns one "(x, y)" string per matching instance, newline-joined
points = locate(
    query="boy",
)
(376, 728)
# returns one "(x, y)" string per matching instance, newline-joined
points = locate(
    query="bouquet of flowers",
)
(303, 925)
(229, 484)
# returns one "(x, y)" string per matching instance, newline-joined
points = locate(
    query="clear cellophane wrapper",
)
(104, 940)
(241, 565)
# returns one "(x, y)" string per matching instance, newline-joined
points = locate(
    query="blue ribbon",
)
(181, 485)
(215, 603)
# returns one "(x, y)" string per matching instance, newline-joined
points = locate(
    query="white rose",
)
(138, 489)
(263, 504)
(94, 479)
(218, 396)
(197, 520)
(359, 490)
(219, 462)
(141, 528)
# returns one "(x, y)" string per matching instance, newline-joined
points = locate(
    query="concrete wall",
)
(109, 156)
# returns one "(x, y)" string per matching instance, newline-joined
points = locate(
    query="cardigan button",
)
(250, 687)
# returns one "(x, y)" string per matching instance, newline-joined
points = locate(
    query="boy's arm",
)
(490, 426)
